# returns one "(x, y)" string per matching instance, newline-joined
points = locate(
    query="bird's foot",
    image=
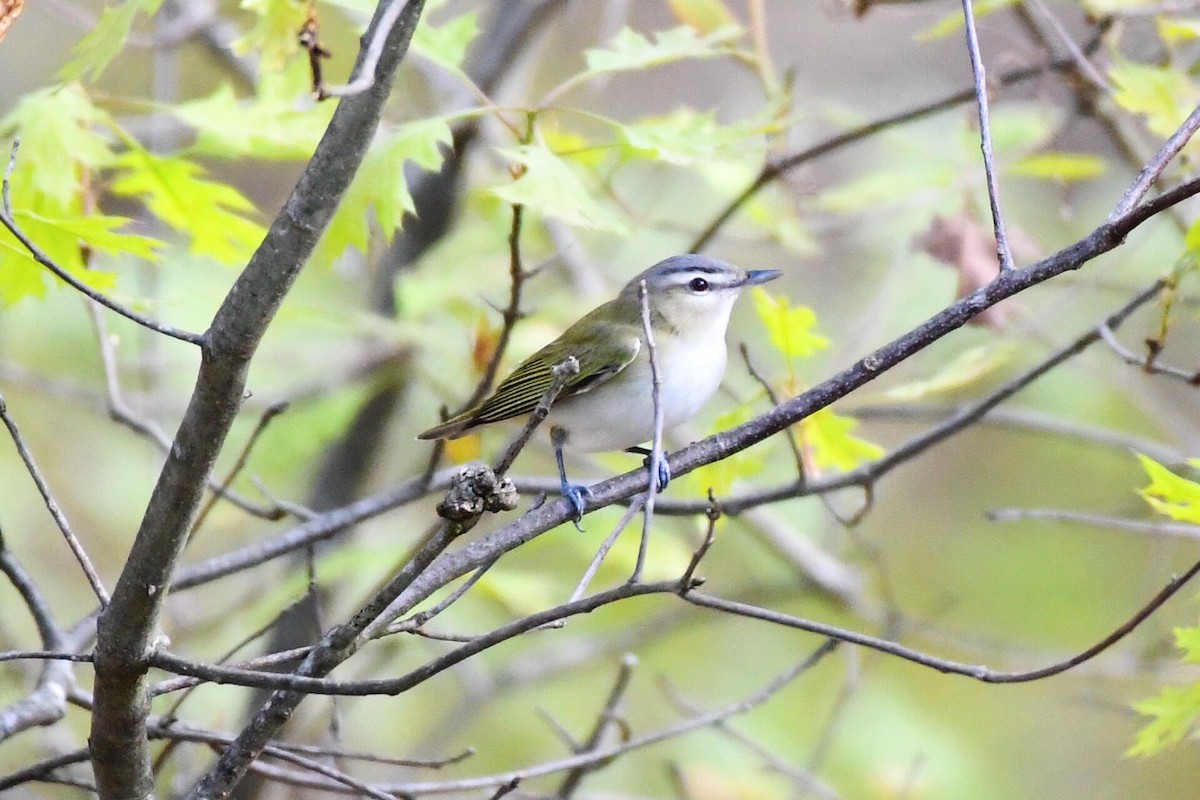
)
(576, 493)
(663, 471)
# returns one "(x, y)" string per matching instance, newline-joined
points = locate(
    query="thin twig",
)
(120, 412)
(602, 552)
(222, 490)
(604, 754)
(512, 312)
(778, 168)
(604, 720)
(38, 255)
(1151, 172)
(1003, 251)
(978, 672)
(48, 702)
(60, 519)
(1085, 67)
(1177, 529)
(656, 448)
(562, 372)
(417, 620)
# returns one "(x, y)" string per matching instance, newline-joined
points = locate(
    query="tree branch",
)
(126, 629)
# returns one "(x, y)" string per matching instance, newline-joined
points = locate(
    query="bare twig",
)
(563, 372)
(1003, 251)
(778, 168)
(978, 672)
(56, 512)
(1151, 172)
(120, 412)
(222, 489)
(602, 552)
(604, 720)
(38, 255)
(656, 447)
(48, 703)
(605, 754)
(512, 312)
(1177, 529)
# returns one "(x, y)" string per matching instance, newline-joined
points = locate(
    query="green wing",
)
(519, 393)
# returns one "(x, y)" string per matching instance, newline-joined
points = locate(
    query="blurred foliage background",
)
(625, 166)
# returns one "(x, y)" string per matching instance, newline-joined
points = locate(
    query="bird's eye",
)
(698, 285)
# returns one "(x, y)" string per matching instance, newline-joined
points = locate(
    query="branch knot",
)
(474, 490)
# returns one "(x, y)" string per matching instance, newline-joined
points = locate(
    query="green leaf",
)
(686, 136)
(549, 185)
(629, 50)
(1174, 713)
(792, 330)
(720, 476)
(214, 215)
(771, 212)
(261, 128)
(61, 145)
(969, 367)
(98, 232)
(953, 23)
(274, 34)
(1188, 640)
(63, 240)
(1170, 494)
(1059, 166)
(20, 275)
(829, 437)
(1164, 96)
(447, 43)
(705, 16)
(380, 187)
(106, 40)
(1177, 31)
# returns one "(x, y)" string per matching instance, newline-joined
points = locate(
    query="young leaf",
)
(629, 50)
(447, 43)
(828, 436)
(106, 40)
(261, 128)
(705, 16)
(60, 146)
(1165, 96)
(214, 215)
(96, 231)
(686, 136)
(1170, 494)
(720, 476)
(380, 186)
(549, 185)
(792, 330)
(953, 23)
(1059, 166)
(1174, 712)
(273, 35)
(968, 367)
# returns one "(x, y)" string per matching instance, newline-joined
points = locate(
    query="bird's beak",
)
(757, 276)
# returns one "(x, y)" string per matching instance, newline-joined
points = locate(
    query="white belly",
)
(620, 413)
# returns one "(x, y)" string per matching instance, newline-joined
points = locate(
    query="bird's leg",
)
(572, 491)
(664, 469)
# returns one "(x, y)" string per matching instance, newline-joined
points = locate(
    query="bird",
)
(608, 405)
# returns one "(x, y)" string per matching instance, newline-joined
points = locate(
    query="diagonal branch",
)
(126, 629)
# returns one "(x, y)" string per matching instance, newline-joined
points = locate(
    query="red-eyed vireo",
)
(609, 404)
